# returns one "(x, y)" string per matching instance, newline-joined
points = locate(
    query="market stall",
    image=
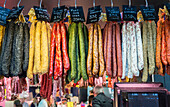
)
(58, 55)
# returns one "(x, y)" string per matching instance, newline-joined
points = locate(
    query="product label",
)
(148, 12)
(168, 7)
(15, 12)
(129, 13)
(77, 14)
(113, 13)
(4, 12)
(41, 14)
(93, 14)
(58, 14)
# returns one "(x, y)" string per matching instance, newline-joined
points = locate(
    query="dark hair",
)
(17, 103)
(91, 98)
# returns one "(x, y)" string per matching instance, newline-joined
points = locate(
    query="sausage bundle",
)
(95, 58)
(59, 58)
(15, 50)
(132, 50)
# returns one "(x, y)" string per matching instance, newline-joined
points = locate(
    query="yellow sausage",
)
(37, 60)
(44, 48)
(31, 51)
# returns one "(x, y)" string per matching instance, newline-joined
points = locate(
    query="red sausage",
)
(52, 50)
(66, 61)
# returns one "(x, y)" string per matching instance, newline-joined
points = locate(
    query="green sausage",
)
(78, 72)
(73, 50)
(82, 52)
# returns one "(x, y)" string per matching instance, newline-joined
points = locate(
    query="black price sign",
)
(15, 12)
(4, 12)
(58, 14)
(77, 14)
(41, 14)
(148, 12)
(93, 14)
(113, 13)
(129, 13)
(168, 7)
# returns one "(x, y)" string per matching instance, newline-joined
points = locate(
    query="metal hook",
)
(5, 3)
(58, 3)
(111, 3)
(146, 3)
(40, 3)
(75, 3)
(18, 3)
(129, 3)
(94, 4)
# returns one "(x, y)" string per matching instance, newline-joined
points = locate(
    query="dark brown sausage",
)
(114, 52)
(109, 51)
(119, 50)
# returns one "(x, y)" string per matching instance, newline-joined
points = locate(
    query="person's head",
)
(97, 89)
(17, 103)
(90, 99)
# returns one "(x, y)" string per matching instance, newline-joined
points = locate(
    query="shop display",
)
(73, 54)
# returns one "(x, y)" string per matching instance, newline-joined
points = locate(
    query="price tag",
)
(15, 12)
(168, 7)
(4, 12)
(41, 14)
(93, 14)
(129, 13)
(77, 14)
(58, 14)
(113, 13)
(148, 12)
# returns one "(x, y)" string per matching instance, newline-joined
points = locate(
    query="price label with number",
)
(58, 14)
(41, 14)
(113, 13)
(15, 12)
(77, 14)
(94, 14)
(129, 13)
(148, 12)
(4, 12)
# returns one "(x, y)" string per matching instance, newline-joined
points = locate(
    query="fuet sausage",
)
(145, 42)
(52, 50)
(114, 52)
(95, 52)
(109, 51)
(150, 50)
(101, 57)
(139, 47)
(134, 67)
(66, 61)
(90, 52)
(129, 69)
(124, 37)
(119, 50)
(167, 34)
